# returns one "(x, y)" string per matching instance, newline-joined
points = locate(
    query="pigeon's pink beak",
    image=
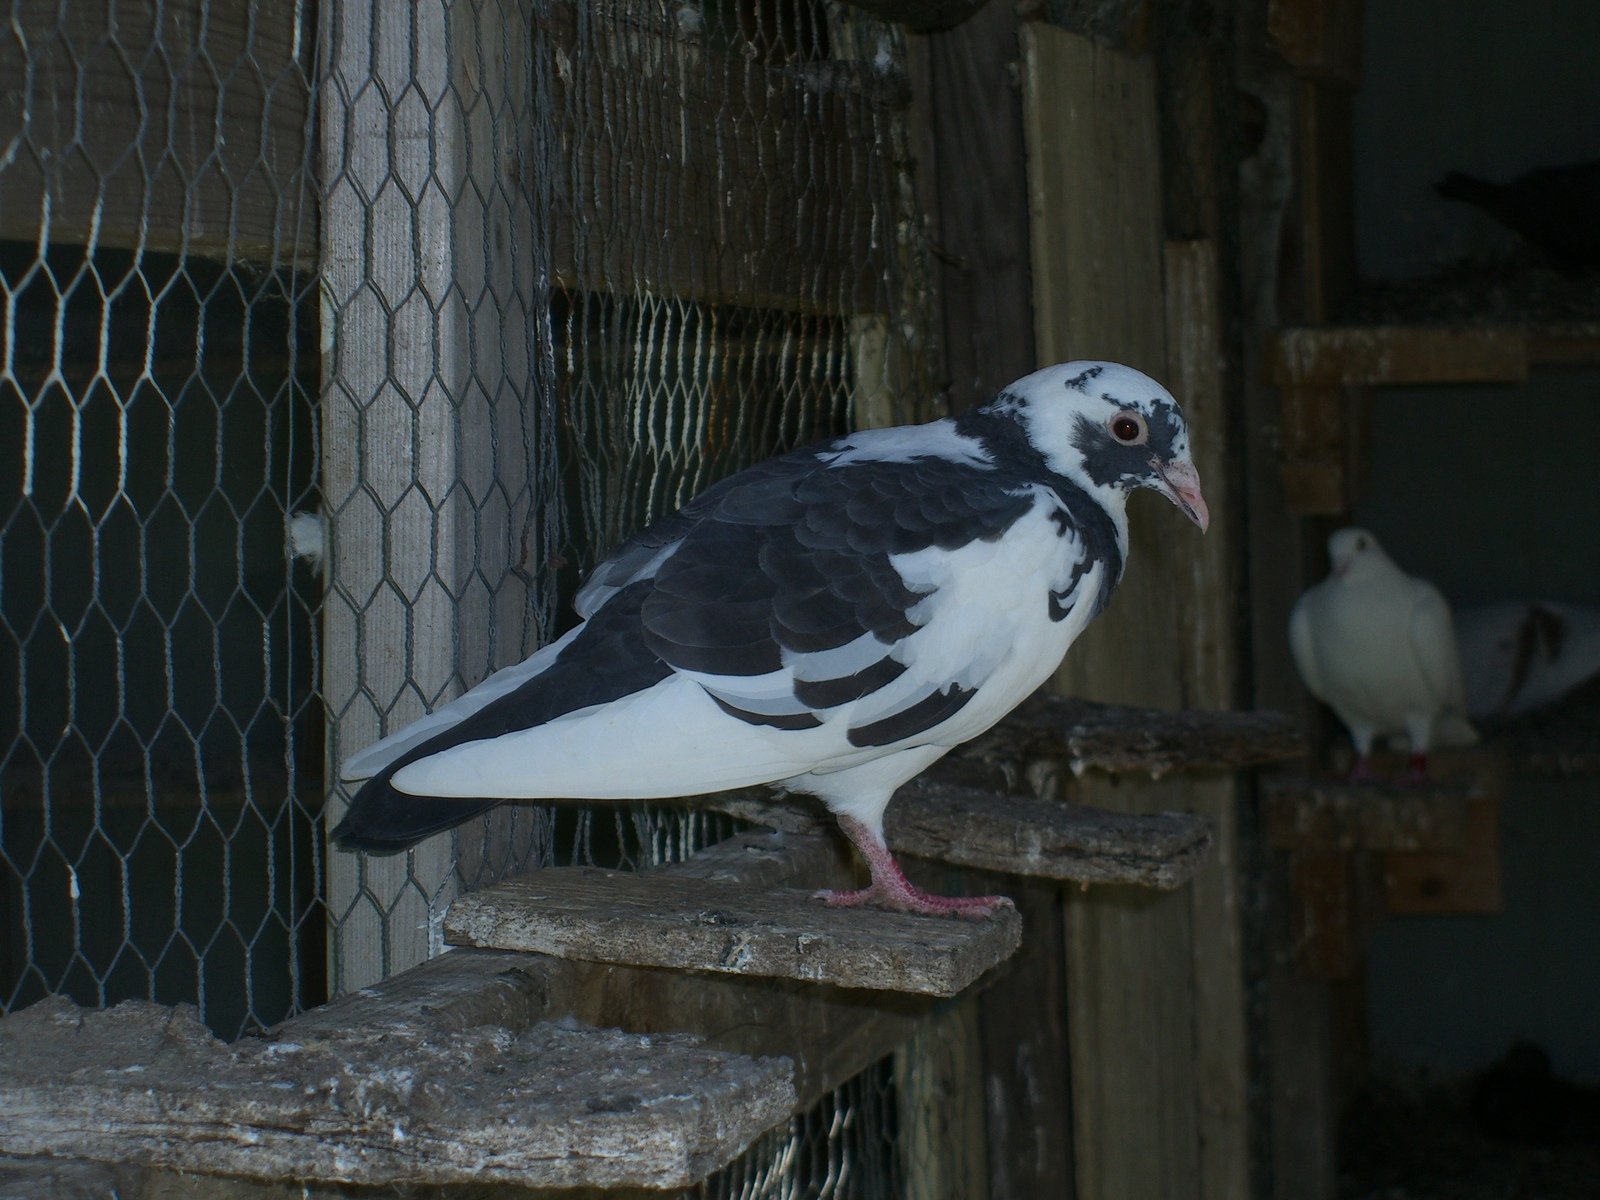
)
(1181, 484)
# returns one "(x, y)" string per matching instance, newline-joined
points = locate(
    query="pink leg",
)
(1417, 769)
(892, 890)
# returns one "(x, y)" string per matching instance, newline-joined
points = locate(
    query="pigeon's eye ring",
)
(1128, 427)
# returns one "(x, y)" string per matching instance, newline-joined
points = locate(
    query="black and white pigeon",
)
(830, 621)
(1377, 646)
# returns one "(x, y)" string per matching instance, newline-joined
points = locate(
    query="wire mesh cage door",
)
(160, 736)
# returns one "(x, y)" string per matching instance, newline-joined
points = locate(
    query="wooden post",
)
(1095, 202)
(427, 367)
(1209, 584)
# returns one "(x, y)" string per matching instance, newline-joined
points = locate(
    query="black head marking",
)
(1080, 381)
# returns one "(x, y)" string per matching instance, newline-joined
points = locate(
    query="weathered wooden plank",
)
(1337, 901)
(830, 1034)
(1095, 201)
(1383, 355)
(1027, 1061)
(551, 1106)
(938, 1079)
(689, 921)
(1330, 814)
(1463, 879)
(180, 127)
(949, 822)
(1212, 582)
(1118, 738)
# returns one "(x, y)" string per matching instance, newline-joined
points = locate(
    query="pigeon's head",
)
(1354, 551)
(1110, 429)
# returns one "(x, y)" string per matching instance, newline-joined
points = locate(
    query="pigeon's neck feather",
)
(1100, 514)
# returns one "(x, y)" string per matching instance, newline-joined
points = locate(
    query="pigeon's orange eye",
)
(1127, 428)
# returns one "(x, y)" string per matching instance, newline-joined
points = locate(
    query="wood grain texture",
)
(1330, 814)
(692, 922)
(1012, 835)
(1140, 741)
(1211, 580)
(1095, 202)
(551, 1105)
(1463, 879)
(1398, 354)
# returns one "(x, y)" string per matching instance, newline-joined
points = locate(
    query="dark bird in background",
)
(831, 621)
(1555, 208)
(1520, 1099)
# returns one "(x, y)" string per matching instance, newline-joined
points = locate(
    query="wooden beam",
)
(938, 1076)
(180, 128)
(1210, 580)
(421, 401)
(1385, 355)
(1331, 815)
(695, 921)
(1337, 902)
(1095, 207)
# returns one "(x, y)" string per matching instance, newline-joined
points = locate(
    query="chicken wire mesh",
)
(339, 342)
(160, 740)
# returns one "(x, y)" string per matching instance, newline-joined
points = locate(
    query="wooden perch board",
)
(1385, 355)
(689, 919)
(1110, 737)
(938, 819)
(413, 1098)
(1332, 815)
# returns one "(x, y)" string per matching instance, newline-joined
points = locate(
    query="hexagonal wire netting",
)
(160, 738)
(338, 345)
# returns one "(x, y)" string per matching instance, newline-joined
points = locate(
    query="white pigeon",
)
(831, 621)
(1376, 645)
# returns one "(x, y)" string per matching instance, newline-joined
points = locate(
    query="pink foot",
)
(890, 889)
(1416, 771)
(1360, 770)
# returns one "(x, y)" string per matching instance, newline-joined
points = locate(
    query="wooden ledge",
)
(1491, 351)
(723, 912)
(421, 1094)
(1109, 737)
(1334, 815)
(936, 818)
